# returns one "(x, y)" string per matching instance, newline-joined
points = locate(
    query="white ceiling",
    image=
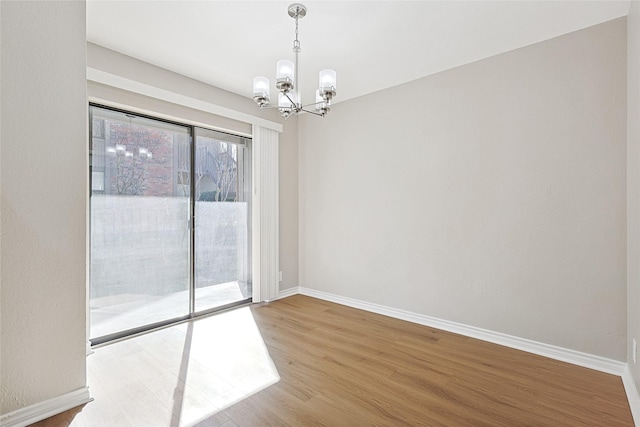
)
(371, 44)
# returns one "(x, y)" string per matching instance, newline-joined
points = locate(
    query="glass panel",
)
(140, 237)
(222, 273)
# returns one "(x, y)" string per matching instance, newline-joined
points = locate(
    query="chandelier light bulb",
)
(261, 90)
(260, 86)
(327, 79)
(284, 105)
(285, 71)
(283, 101)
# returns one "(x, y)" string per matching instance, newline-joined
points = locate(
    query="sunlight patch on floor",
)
(179, 376)
(227, 348)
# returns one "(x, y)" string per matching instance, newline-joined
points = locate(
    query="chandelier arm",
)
(295, 104)
(312, 112)
(314, 104)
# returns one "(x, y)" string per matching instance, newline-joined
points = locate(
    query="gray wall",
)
(43, 189)
(633, 183)
(492, 194)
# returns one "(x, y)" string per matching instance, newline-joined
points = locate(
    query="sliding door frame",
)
(97, 341)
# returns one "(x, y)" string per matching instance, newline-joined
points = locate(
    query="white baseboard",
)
(632, 395)
(39, 411)
(586, 360)
(288, 292)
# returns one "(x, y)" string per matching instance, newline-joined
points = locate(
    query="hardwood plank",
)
(337, 366)
(391, 372)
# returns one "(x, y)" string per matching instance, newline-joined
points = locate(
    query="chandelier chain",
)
(296, 42)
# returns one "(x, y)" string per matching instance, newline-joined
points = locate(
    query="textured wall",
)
(492, 194)
(43, 191)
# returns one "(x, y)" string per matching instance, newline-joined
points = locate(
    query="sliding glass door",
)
(163, 250)
(222, 273)
(139, 222)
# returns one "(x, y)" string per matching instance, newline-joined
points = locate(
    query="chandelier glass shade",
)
(289, 100)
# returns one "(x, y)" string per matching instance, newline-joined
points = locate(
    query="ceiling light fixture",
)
(289, 100)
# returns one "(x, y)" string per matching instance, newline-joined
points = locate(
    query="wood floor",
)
(305, 362)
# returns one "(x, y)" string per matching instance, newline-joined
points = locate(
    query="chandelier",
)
(289, 101)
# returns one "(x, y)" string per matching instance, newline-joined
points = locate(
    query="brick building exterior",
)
(136, 160)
